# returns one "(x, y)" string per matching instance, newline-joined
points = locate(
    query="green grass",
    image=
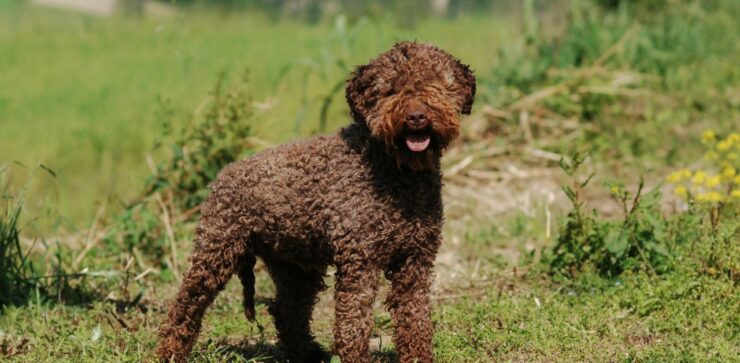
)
(634, 320)
(82, 93)
(504, 314)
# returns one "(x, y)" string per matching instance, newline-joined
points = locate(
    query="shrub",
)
(703, 237)
(217, 134)
(588, 242)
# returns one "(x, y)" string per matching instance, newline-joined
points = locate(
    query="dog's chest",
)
(394, 221)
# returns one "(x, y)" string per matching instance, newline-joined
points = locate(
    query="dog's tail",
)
(246, 276)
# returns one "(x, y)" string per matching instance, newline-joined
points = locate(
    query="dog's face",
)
(411, 98)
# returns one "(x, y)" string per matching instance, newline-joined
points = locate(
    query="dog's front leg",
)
(409, 305)
(356, 287)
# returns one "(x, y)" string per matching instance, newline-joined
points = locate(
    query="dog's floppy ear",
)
(356, 92)
(465, 76)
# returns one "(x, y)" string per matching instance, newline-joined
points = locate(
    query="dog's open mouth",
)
(418, 142)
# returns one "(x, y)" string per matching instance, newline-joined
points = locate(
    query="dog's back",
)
(299, 200)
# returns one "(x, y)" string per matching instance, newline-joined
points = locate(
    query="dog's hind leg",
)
(246, 276)
(218, 250)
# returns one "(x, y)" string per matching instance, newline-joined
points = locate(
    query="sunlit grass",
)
(81, 94)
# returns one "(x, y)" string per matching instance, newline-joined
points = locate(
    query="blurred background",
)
(592, 199)
(85, 83)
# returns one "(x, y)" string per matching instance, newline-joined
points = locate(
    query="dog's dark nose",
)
(416, 118)
(416, 115)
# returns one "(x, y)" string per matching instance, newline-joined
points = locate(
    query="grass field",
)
(93, 86)
(540, 261)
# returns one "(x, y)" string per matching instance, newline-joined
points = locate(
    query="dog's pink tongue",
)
(417, 143)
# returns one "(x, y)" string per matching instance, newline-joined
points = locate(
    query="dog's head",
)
(411, 98)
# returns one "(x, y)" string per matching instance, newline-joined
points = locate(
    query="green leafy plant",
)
(580, 236)
(588, 242)
(218, 133)
(639, 240)
(712, 193)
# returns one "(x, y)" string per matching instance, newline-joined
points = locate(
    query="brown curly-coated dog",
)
(367, 200)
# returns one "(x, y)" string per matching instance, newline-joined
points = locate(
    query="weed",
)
(29, 271)
(705, 235)
(588, 242)
(15, 267)
(712, 194)
(218, 133)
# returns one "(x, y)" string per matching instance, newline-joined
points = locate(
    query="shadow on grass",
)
(58, 292)
(246, 351)
(268, 352)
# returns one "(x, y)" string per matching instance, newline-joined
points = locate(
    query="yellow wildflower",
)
(711, 155)
(709, 197)
(679, 175)
(713, 181)
(615, 189)
(732, 156)
(708, 136)
(715, 197)
(734, 138)
(699, 177)
(671, 178)
(681, 191)
(728, 173)
(724, 145)
(735, 194)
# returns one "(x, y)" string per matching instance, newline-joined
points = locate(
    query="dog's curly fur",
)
(362, 200)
